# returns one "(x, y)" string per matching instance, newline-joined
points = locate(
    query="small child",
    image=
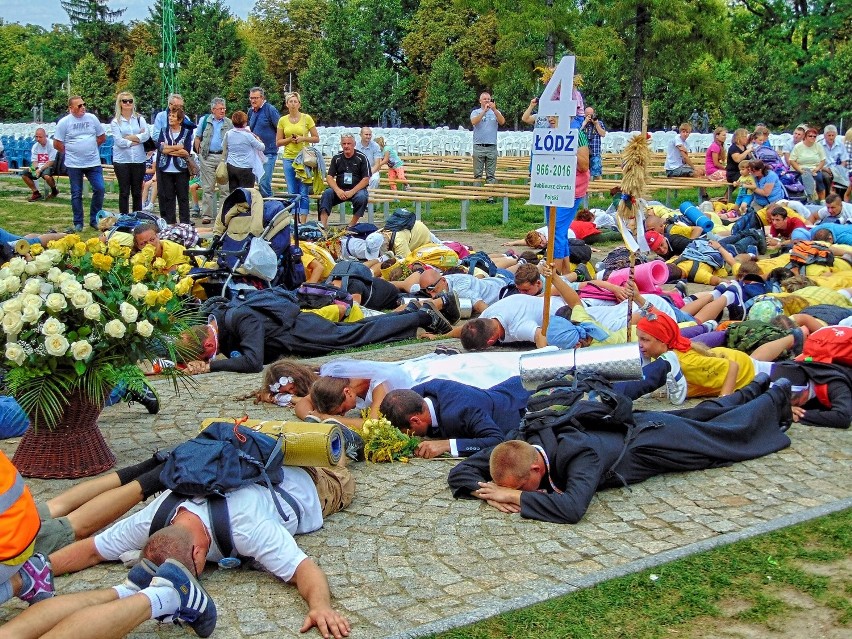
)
(194, 188)
(395, 164)
(149, 183)
(747, 185)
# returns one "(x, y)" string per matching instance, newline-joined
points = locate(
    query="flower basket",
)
(75, 320)
(73, 448)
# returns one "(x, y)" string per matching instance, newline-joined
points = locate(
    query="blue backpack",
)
(220, 459)
(700, 252)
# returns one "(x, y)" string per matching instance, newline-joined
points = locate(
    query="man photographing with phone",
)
(594, 130)
(486, 120)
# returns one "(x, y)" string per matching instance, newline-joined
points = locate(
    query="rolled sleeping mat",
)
(648, 276)
(304, 443)
(694, 214)
(619, 362)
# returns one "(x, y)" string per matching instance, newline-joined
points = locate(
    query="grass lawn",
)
(774, 585)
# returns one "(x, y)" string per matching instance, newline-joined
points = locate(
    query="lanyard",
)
(547, 467)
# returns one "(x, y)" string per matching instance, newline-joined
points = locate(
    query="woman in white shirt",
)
(129, 134)
(242, 157)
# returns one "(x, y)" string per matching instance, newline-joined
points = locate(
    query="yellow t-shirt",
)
(311, 251)
(705, 375)
(580, 314)
(301, 128)
(332, 313)
(818, 295)
(702, 274)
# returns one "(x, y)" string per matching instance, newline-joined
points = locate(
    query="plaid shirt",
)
(593, 137)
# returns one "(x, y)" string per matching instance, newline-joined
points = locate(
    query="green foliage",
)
(143, 80)
(200, 82)
(251, 72)
(325, 86)
(447, 93)
(89, 79)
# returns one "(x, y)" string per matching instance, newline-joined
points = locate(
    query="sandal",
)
(206, 220)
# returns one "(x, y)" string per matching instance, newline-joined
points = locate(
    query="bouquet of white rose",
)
(78, 317)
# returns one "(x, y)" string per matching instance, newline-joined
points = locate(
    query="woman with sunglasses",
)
(129, 134)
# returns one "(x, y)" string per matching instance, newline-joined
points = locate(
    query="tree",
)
(372, 93)
(446, 92)
(95, 24)
(143, 81)
(89, 79)
(252, 72)
(201, 81)
(34, 82)
(325, 86)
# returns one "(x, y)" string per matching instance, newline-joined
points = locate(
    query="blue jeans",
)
(95, 175)
(265, 185)
(297, 187)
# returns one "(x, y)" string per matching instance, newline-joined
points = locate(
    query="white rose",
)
(33, 286)
(114, 328)
(138, 290)
(69, 287)
(31, 314)
(65, 276)
(14, 353)
(12, 323)
(13, 284)
(81, 349)
(56, 302)
(81, 299)
(56, 345)
(92, 311)
(27, 299)
(43, 262)
(128, 312)
(92, 281)
(17, 266)
(32, 268)
(54, 255)
(3, 286)
(4, 273)
(54, 274)
(52, 326)
(13, 305)
(145, 328)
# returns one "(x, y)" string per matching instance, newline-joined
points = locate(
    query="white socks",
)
(164, 600)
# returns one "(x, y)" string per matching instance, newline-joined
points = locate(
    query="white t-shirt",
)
(473, 288)
(569, 234)
(41, 154)
(256, 527)
(845, 213)
(366, 249)
(80, 136)
(521, 315)
(613, 317)
(673, 157)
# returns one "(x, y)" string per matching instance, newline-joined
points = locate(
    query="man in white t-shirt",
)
(374, 154)
(257, 532)
(481, 291)
(678, 162)
(78, 135)
(517, 318)
(42, 165)
(835, 211)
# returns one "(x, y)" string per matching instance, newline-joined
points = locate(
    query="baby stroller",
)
(251, 246)
(791, 181)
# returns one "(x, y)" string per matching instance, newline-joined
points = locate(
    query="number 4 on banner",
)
(557, 96)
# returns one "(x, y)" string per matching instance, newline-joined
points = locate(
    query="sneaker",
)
(353, 443)
(148, 399)
(583, 274)
(77, 228)
(447, 350)
(36, 579)
(450, 306)
(675, 381)
(438, 323)
(196, 607)
(53, 193)
(140, 575)
(148, 207)
(491, 200)
(35, 197)
(710, 325)
(680, 285)
(736, 311)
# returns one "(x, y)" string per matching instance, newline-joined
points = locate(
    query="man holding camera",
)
(594, 130)
(485, 120)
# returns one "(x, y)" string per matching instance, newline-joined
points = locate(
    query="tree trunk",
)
(643, 32)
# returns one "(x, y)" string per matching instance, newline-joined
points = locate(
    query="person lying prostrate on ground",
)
(481, 291)
(457, 419)
(379, 295)
(681, 268)
(517, 318)
(835, 211)
(781, 227)
(269, 324)
(672, 230)
(555, 479)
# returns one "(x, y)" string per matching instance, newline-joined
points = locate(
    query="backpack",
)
(481, 260)
(314, 296)
(222, 458)
(617, 259)
(829, 345)
(700, 252)
(361, 230)
(351, 269)
(59, 167)
(437, 255)
(129, 221)
(578, 251)
(310, 232)
(400, 220)
(806, 252)
(748, 335)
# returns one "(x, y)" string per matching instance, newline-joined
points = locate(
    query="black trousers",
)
(129, 176)
(173, 188)
(240, 178)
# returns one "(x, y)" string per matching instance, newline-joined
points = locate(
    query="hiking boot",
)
(450, 306)
(36, 579)
(35, 197)
(140, 575)
(53, 193)
(675, 381)
(196, 606)
(438, 324)
(353, 443)
(148, 399)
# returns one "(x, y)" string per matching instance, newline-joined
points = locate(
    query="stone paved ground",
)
(406, 558)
